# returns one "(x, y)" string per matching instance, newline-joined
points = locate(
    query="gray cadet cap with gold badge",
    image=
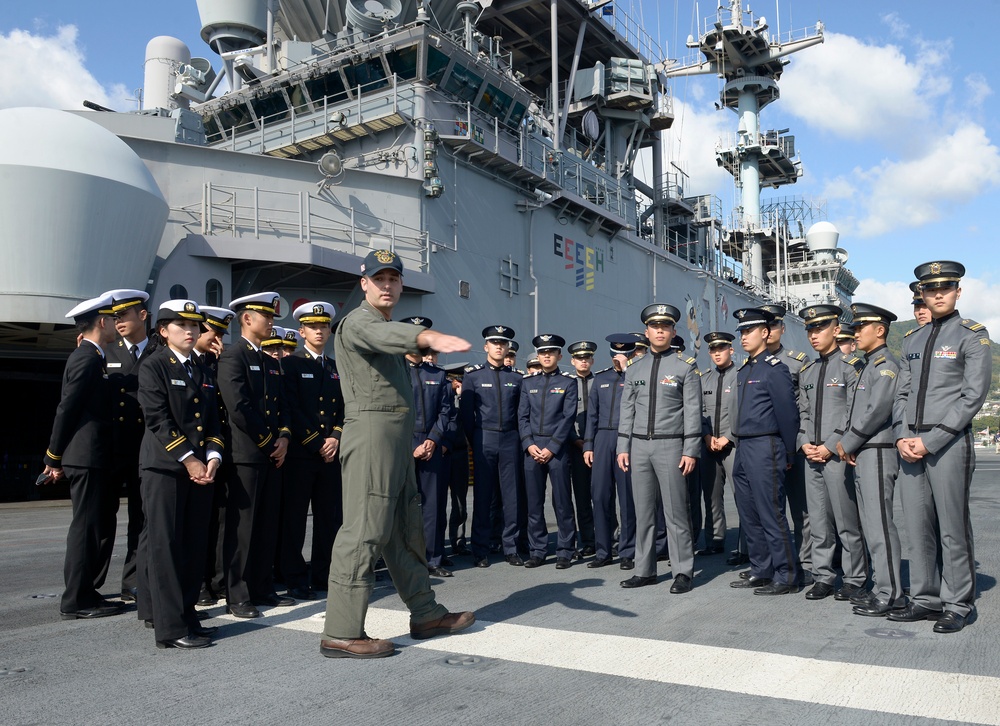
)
(660, 313)
(816, 315)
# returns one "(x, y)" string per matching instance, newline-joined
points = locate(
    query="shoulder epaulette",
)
(689, 361)
(745, 361)
(911, 332)
(605, 370)
(773, 361)
(795, 356)
(879, 360)
(469, 369)
(705, 372)
(853, 361)
(568, 375)
(808, 363)
(972, 325)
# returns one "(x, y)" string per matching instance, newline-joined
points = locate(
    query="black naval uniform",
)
(718, 394)
(457, 468)
(251, 385)
(214, 576)
(766, 425)
(81, 445)
(944, 378)
(581, 473)
(127, 429)
(601, 437)
(313, 397)
(546, 414)
(181, 413)
(489, 410)
(434, 420)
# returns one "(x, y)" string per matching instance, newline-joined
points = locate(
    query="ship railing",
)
(308, 219)
(633, 31)
(749, 21)
(765, 140)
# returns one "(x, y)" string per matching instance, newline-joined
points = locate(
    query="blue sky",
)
(894, 115)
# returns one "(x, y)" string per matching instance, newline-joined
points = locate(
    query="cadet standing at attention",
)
(659, 441)
(599, 452)
(381, 503)
(920, 311)
(312, 390)
(869, 445)
(545, 415)
(944, 377)
(80, 450)
(766, 426)
(181, 451)
(250, 382)
(582, 357)
(124, 357)
(488, 414)
(432, 431)
(826, 387)
(718, 392)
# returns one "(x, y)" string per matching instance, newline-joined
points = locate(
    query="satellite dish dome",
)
(81, 212)
(822, 236)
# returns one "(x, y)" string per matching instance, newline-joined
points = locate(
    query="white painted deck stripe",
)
(903, 691)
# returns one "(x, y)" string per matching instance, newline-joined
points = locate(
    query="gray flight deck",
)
(549, 647)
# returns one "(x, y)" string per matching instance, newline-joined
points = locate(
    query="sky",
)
(894, 115)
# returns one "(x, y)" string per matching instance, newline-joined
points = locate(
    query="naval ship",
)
(492, 144)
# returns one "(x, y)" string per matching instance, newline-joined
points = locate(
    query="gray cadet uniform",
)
(661, 422)
(382, 513)
(944, 377)
(869, 436)
(826, 385)
(718, 392)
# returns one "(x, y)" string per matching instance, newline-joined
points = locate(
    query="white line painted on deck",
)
(904, 691)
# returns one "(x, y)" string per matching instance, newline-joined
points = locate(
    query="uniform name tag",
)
(114, 365)
(486, 385)
(432, 383)
(307, 375)
(605, 385)
(177, 382)
(255, 368)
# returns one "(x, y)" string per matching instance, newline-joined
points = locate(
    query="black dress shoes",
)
(534, 562)
(773, 588)
(874, 609)
(588, 551)
(207, 598)
(627, 563)
(603, 562)
(562, 563)
(98, 611)
(847, 592)
(242, 610)
(447, 562)
(750, 583)
(514, 560)
(302, 593)
(636, 581)
(188, 642)
(460, 550)
(737, 558)
(912, 613)
(128, 595)
(819, 591)
(951, 622)
(483, 563)
(274, 599)
(204, 631)
(711, 550)
(682, 583)
(865, 597)
(663, 558)
(439, 572)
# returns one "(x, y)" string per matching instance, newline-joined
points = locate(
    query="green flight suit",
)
(382, 512)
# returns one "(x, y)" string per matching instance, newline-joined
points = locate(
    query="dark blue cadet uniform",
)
(767, 422)
(488, 410)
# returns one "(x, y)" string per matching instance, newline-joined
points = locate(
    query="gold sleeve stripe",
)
(175, 443)
(309, 438)
(52, 456)
(263, 443)
(284, 429)
(219, 442)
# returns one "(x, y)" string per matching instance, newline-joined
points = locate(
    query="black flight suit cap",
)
(378, 260)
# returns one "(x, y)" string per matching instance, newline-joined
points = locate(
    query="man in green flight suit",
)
(382, 513)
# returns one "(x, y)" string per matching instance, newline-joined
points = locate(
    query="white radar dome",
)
(822, 236)
(82, 214)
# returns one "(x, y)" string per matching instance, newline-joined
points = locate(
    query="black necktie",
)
(189, 368)
(135, 353)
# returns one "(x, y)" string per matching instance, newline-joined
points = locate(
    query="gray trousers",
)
(382, 516)
(716, 470)
(655, 467)
(833, 514)
(935, 497)
(875, 480)
(798, 510)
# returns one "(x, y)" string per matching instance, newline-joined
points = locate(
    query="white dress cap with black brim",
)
(100, 305)
(261, 302)
(125, 298)
(317, 311)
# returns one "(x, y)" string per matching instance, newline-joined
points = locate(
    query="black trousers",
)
(456, 470)
(433, 488)
(214, 576)
(310, 481)
(177, 512)
(582, 495)
(253, 510)
(497, 462)
(87, 491)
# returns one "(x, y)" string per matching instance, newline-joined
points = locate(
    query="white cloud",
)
(858, 90)
(978, 300)
(954, 169)
(978, 88)
(50, 71)
(691, 144)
